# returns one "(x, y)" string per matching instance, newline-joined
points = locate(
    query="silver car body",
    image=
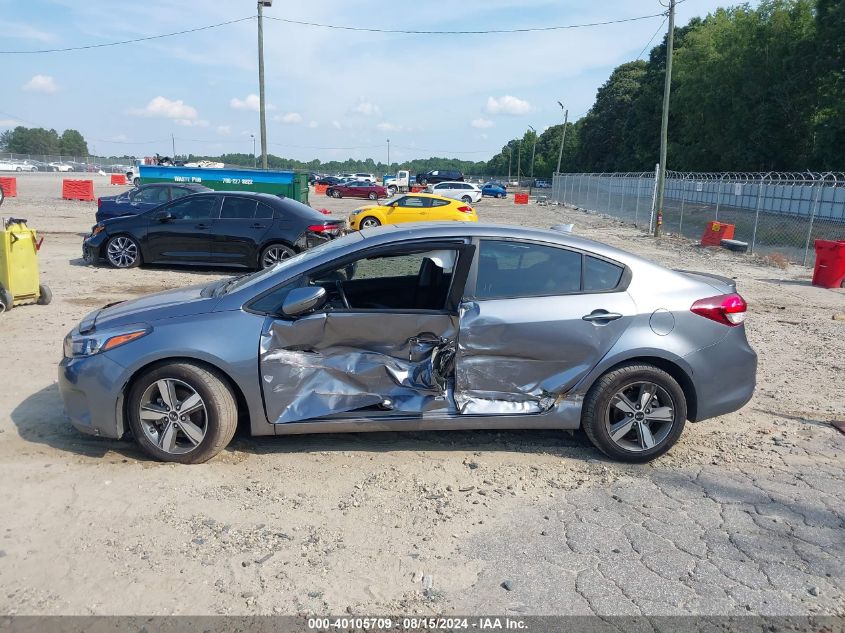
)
(520, 362)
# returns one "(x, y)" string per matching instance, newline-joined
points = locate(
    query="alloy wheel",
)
(274, 255)
(640, 416)
(369, 223)
(173, 416)
(122, 252)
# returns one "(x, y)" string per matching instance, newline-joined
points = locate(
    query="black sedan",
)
(329, 180)
(223, 228)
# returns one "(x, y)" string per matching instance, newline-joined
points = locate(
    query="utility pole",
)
(173, 143)
(519, 164)
(510, 160)
(563, 136)
(533, 149)
(388, 154)
(262, 109)
(254, 157)
(664, 126)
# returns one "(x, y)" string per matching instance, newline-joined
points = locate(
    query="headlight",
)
(79, 345)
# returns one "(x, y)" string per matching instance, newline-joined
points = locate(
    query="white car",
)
(367, 177)
(463, 191)
(14, 165)
(62, 166)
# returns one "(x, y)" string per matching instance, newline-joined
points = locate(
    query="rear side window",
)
(263, 212)
(237, 209)
(520, 269)
(600, 275)
(439, 203)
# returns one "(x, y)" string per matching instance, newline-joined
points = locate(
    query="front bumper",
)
(92, 392)
(92, 247)
(725, 375)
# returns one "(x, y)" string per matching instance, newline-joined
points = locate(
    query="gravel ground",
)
(745, 515)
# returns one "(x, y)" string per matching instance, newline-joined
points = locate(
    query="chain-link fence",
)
(773, 212)
(59, 163)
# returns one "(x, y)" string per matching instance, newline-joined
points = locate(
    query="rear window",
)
(521, 269)
(600, 275)
(237, 209)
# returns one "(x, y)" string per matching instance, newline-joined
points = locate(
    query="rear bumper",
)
(724, 375)
(92, 392)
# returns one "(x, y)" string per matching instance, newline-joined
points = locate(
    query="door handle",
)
(259, 226)
(601, 315)
(203, 226)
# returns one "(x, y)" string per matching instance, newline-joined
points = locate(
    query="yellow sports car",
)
(412, 207)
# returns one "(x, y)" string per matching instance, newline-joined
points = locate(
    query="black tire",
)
(392, 190)
(136, 182)
(424, 182)
(336, 194)
(123, 262)
(266, 259)
(598, 402)
(45, 295)
(221, 411)
(466, 200)
(369, 222)
(498, 195)
(373, 195)
(7, 301)
(19, 169)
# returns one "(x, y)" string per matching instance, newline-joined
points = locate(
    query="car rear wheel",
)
(369, 222)
(392, 190)
(274, 253)
(498, 195)
(123, 251)
(466, 200)
(634, 413)
(181, 412)
(136, 182)
(373, 195)
(336, 193)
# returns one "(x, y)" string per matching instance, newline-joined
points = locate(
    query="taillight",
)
(728, 310)
(465, 209)
(322, 228)
(99, 202)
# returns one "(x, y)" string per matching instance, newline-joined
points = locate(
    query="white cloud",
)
(40, 83)
(191, 122)
(366, 108)
(9, 123)
(313, 124)
(507, 104)
(288, 117)
(336, 125)
(21, 31)
(163, 107)
(387, 126)
(224, 129)
(251, 103)
(481, 123)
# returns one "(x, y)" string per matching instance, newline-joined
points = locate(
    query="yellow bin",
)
(19, 280)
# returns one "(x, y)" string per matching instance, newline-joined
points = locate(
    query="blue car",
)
(143, 198)
(493, 190)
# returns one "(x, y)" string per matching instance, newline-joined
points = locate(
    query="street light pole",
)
(664, 125)
(388, 154)
(533, 149)
(261, 106)
(563, 136)
(519, 164)
(254, 157)
(510, 160)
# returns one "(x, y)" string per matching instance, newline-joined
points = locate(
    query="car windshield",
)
(220, 288)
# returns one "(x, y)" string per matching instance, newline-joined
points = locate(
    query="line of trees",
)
(38, 141)
(753, 90)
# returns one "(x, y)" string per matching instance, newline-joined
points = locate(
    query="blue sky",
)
(331, 94)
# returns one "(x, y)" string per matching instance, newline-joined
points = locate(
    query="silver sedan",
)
(411, 327)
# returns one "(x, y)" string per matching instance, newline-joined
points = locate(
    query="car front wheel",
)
(369, 223)
(634, 413)
(123, 251)
(181, 412)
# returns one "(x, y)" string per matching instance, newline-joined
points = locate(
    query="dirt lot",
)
(745, 515)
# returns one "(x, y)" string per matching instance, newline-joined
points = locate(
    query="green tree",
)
(829, 124)
(71, 143)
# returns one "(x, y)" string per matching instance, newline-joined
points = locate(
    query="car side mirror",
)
(164, 216)
(302, 300)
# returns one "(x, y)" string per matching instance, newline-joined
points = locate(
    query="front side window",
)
(151, 195)
(194, 208)
(520, 269)
(391, 281)
(179, 192)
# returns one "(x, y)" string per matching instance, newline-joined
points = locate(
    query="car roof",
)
(429, 195)
(389, 233)
(452, 182)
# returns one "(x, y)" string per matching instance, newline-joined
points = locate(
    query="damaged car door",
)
(537, 319)
(381, 344)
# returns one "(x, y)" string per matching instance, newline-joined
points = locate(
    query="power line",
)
(445, 151)
(659, 28)
(132, 41)
(481, 32)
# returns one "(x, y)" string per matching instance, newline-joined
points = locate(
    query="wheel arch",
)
(671, 367)
(244, 418)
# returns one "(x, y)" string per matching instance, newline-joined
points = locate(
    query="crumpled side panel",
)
(337, 362)
(505, 367)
